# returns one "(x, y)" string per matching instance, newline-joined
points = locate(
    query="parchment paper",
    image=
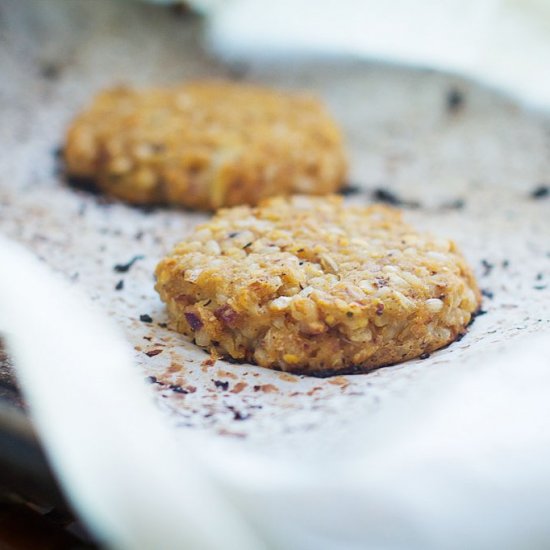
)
(463, 161)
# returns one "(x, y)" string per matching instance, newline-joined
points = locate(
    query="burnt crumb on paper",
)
(146, 209)
(389, 197)
(124, 268)
(181, 10)
(455, 100)
(487, 267)
(479, 313)
(58, 154)
(177, 388)
(238, 415)
(50, 71)
(225, 432)
(456, 204)
(487, 293)
(349, 189)
(145, 318)
(224, 385)
(119, 285)
(238, 71)
(153, 380)
(266, 388)
(540, 192)
(80, 183)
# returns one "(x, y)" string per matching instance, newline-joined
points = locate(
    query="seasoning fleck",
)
(50, 71)
(145, 318)
(119, 285)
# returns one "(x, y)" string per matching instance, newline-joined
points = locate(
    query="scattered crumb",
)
(457, 204)
(266, 388)
(389, 197)
(349, 189)
(174, 367)
(223, 431)
(239, 387)
(288, 377)
(487, 293)
(540, 192)
(339, 381)
(224, 385)
(124, 268)
(454, 100)
(226, 374)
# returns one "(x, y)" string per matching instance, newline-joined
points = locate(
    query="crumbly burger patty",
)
(310, 285)
(205, 144)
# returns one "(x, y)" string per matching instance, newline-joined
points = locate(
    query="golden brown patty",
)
(311, 285)
(205, 145)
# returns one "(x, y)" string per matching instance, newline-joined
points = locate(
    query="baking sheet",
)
(465, 159)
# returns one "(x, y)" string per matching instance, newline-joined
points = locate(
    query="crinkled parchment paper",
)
(464, 160)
